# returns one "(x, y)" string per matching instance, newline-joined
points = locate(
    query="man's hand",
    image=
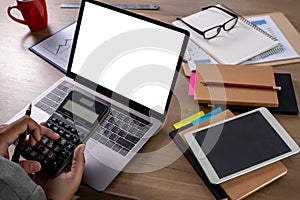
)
(9, 134)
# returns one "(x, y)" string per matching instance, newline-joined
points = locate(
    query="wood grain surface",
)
(24, 76)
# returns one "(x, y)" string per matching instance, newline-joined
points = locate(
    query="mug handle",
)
(14, 18)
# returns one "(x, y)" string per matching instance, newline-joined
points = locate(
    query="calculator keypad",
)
(54, 154)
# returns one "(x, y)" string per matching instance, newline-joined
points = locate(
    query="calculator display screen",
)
(80, 111)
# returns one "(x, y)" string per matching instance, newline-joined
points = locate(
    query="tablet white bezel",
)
(207, 166)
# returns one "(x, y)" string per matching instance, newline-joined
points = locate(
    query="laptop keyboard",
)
(120, 131)
(53, 99)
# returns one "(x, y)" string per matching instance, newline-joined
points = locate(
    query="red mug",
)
(34, 13)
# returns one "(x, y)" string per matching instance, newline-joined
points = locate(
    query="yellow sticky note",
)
(188, 120)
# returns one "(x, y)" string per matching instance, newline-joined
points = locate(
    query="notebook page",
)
(229, 47)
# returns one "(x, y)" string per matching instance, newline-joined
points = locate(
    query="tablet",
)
(240, 144)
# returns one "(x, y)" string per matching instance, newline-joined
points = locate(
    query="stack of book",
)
(239, 187)
(240, 45)
(242, 88)
(228, 83)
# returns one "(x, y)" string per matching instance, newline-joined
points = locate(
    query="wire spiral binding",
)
(247, 22)
(256, 27)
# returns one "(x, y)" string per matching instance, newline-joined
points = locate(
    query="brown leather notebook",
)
(250, 74)
(242, 186)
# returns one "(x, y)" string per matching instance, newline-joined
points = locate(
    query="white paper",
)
(56, 48)
(229, 47)
(282, 52)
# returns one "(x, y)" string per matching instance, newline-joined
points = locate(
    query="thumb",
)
(30, 166)
(78, 163)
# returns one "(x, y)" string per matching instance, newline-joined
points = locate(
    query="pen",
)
(17, 151)
(266, 87)
(122, 6)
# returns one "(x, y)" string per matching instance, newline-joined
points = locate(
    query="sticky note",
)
(192, 84)
(188, 120)
(207, 116)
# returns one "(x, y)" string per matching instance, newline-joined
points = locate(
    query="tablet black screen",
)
(240, 143)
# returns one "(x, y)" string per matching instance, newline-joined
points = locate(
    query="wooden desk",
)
(24, 75)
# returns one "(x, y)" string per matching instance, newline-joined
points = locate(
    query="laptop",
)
(132, 63)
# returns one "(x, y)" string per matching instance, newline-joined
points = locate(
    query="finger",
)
(18, 127)
(30, 166)
(44, 131)
(49, 133)
(32, 141)
(35, 137)
(78, 164)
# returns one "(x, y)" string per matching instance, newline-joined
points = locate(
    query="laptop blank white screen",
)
(127, 55)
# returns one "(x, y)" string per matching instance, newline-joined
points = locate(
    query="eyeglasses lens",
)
(230, 24)
(212, 32)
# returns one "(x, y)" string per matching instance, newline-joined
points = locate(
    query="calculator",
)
(75, 121)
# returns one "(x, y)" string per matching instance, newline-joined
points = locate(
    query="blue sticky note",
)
(259, 22)
(207, 116)
(203, 61)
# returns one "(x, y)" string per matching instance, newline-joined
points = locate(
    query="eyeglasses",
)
(214, 31)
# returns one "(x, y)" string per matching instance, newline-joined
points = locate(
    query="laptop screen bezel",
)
(119, 98)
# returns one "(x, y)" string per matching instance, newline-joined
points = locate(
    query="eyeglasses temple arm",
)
(190, 26)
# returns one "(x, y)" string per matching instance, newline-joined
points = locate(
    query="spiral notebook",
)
(241, 43)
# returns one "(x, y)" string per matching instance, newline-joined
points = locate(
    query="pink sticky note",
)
(192, 84)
